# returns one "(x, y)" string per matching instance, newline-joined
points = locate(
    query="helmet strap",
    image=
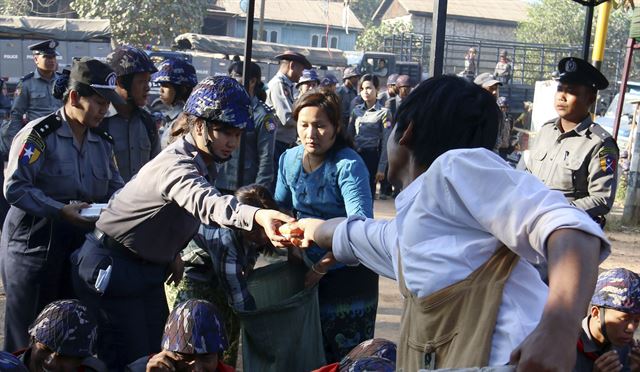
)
(603, 327)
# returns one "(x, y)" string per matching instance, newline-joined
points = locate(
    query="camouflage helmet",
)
(194, 327)
(371, 364)
(329, 79)
(10, 363)
(377, 347)
(221, 99)
(618, 289)
(67, 328)
(176, 71)
(307, 76)
(126, 60)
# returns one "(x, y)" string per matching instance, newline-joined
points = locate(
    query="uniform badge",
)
(31, 149)
(270, 124)
(608, 160)
(570, 66)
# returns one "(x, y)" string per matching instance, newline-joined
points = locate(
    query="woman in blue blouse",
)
(325, 178)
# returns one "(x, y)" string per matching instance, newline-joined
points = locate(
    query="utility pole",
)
(261, 23)
(439, 23)
(248, 46)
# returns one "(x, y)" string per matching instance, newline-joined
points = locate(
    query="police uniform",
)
(148, 223)
(580, 163)
(33, 97)
(136, 138)
(280, 95)
(48, 169)
(347, 94)
(258, 156)
(370, 128)
(176, 72)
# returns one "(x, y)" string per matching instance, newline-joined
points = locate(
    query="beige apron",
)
(453, 327)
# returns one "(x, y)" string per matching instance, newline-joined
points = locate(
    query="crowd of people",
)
(154, 280)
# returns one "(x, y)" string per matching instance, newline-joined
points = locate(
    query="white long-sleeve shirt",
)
(452, 218)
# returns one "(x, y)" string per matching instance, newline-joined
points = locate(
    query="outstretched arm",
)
(573, 258)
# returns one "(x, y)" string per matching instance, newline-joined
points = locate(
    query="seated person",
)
(468, 229)
(217, 263)
(62, 339)
(193, 340)
(9, 363)
(606, 341)
(376, 354)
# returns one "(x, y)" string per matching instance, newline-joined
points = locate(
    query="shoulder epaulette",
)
(27, 76)
(268, 108)
(48, 125)
(103, 134)
(600, 132)
(552, 121)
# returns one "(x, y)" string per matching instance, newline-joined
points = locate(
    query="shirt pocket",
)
(100, 183)
(567, 172)
(39, 99)
(59, 169)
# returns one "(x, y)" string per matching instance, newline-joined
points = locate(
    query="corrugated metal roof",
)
(505, 10)
(298, 11)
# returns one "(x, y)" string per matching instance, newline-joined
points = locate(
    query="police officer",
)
(308, 81)
(280, 95)
(606, 340)
(330, 81)
(194, 338)
(176, 78)
(572, 154)
(57, 165)
(259, 141)
(63, 338)
(134, 130)
(121, 268)
(348, 92)
(384, 96)
(33, 96)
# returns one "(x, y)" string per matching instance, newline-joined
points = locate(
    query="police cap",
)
(99, 76)
(574, 70)
(290, 55)
(45, 48)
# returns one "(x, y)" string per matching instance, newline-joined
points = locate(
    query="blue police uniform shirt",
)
(46, 172)
(338, 188)
(258, 157)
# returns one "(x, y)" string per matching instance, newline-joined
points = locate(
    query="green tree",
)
(372, 38)
(561, 23)
(363, 9)
(15, 7)
(142, 22)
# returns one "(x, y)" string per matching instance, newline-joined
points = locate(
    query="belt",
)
(115, 246)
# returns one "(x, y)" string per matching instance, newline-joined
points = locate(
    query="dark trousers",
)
(133, 309)
(35, 269)
(371, 157)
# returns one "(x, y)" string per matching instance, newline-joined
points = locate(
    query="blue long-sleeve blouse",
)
(338, 188)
